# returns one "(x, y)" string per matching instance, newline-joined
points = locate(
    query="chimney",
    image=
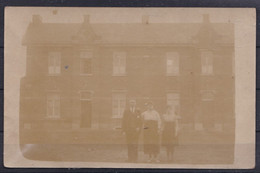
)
(145, 19)
(206, 18)
(86, 18)
(36, 19)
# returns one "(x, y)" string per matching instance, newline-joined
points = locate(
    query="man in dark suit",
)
(131, 126)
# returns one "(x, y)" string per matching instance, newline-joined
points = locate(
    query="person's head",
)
(150, 105)
(132, 103)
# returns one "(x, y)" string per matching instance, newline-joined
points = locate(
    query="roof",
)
(125, 33)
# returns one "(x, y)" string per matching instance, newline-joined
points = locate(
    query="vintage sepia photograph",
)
(131, 87)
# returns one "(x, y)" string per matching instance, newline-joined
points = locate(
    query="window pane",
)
(54, 62)
(57, 70)
(57, 60)
(122, 103)
(51, 61)
(53, 105)
(51, 69)
(49, 108)
(116, 61)
(172, 63)
(210, 69)
(116, 70)
(122, 69)
(122, 60)
(119, 63)
(85, 95)
(86, 54)
(174, 101)
(115, 105)
(57, 108)
(206, 62)
(118, 104)
(85, 66)
(169, 62)
(207, 95)
(88, 66)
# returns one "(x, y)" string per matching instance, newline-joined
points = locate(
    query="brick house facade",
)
(81, 75)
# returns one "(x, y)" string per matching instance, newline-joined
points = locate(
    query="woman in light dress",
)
(152, 127)
(169, 131)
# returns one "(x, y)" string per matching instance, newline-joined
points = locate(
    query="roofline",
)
(123, 45)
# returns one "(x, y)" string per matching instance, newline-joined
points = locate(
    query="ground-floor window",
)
(118, 104)
(173, 100)
(53, 105)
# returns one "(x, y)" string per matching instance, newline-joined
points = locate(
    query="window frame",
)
(81, 58)
(175, 58)
(207, 91)
(178, 99)
(90, 92)
(54, 66)
(118, 116)
(119, 73)
(205, 72)
(51, 96)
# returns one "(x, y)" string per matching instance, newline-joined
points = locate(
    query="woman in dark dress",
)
(152, 126)
(169, 132)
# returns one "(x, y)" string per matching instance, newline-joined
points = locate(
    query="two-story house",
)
(81, 75)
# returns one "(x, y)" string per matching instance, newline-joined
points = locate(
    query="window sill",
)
(119, 75)
(116, 117)
(207, 74)
(172, 75)
(52, 118)
(54, 74)
(86, 74)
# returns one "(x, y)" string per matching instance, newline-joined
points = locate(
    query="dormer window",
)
(54, 64)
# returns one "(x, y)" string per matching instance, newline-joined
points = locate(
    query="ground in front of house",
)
(197, 148)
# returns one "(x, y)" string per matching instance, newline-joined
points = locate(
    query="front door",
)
(86, 113)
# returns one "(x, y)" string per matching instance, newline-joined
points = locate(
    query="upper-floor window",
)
(53, 105)
(86, 62)
(172, 63)
(86, 95)
(207, 95)
(118, 104)
(54, 65)
(206, 63)
(119, 63)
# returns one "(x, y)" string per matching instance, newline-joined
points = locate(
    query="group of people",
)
(157, 130)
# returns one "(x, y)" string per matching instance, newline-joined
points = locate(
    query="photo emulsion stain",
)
(143, 92)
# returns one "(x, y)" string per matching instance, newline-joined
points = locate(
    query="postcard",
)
(129, 87)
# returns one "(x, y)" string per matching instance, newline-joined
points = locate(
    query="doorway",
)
(86, 110)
